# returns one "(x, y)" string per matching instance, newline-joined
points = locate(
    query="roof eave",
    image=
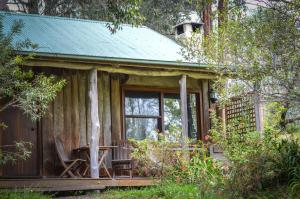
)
(121, 60)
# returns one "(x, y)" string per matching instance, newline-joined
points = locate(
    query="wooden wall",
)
(68, 119)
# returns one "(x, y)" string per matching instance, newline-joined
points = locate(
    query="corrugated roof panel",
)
(57, 35)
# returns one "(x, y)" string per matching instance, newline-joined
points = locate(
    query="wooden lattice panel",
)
(240, 113)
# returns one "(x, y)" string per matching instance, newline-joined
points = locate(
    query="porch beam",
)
(95, 124)
(183, 107)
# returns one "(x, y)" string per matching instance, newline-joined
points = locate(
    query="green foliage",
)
(15, 194)
(168, 159)
(159, 157)
(164, 190)
(21, 87)
(117, 12)
(21, 151)
(256, 161)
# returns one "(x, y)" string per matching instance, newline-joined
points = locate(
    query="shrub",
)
(165, 158)
(257, 161)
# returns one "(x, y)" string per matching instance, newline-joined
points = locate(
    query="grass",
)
(186, 191)
(163, 191)
(15, 194)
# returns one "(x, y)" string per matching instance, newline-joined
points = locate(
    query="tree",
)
(259, 49)
(262, 52)
(115, 11)
(20, 87)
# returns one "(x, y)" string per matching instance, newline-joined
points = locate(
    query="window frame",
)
(160, 117)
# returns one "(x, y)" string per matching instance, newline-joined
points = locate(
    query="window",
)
(180, 29)
(148, 112)
(196, 27)
(142, 112)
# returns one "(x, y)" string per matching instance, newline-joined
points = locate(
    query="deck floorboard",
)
(70, 184)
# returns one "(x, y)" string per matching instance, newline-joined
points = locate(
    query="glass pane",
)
(172, 113)
(141, 103)
(140, 128)
(192, 115)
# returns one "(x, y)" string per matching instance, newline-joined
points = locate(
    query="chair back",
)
(60, 150)
(122, 151)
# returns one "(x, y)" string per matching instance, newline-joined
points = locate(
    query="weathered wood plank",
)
(82, 108)
(205, 102)
(48, 143)
(60, 184)
(58, 112)
(67, 104)
(75, 112)
(171, 82)
(95, 125)
(115, 109)
(88, 115)
(106, 110)
(107, 115)
(101, 106)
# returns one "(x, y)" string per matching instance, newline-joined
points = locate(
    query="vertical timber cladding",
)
(19, 128)
(116, 133)
(104, 109)
(66, 119)
(205, 106)
(68, 116)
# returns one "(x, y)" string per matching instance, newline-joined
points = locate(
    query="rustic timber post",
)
(258, 108)
(258, 113)
(184, 110)
(95, 125)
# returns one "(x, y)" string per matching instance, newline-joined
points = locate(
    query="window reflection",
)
(141, 103)
(140, 128)
(172, 113)
(143, 114)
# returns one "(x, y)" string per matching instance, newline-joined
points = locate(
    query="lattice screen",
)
(240, 113)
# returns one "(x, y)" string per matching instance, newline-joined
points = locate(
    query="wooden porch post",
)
(95, 125)
(258, 107)
(184, 110)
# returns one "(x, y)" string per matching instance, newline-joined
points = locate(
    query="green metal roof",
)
(65, 37)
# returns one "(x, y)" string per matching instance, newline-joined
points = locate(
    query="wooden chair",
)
(71, 166)
(121, 160)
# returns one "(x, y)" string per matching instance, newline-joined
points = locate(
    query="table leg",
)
(101, 162)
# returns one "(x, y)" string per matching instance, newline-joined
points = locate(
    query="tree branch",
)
(8, 104)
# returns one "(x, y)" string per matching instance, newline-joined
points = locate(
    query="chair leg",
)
(130, 173)
(114, 171)
(68, 170)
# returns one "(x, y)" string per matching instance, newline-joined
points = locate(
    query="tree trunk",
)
(207, 20)
(222, 12)
(95, 125)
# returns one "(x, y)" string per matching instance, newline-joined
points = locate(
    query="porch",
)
(70, 119)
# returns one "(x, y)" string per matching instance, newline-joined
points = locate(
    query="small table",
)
(85, 151)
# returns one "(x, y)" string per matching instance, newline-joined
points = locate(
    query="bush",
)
(257, 161)
(165, 158)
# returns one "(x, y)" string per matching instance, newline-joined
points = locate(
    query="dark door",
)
(19, 128)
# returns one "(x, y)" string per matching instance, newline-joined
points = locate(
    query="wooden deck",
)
(70, 184)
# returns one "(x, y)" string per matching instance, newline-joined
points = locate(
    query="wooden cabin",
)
(138, 72)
